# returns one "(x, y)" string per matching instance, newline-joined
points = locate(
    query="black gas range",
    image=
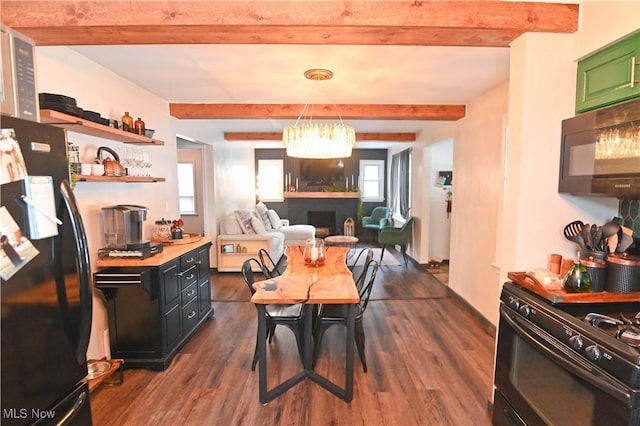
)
(586, 355)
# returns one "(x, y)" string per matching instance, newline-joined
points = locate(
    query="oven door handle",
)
(567, 359)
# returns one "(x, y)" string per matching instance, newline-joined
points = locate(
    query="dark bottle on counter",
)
(139, 126)
(127, 122)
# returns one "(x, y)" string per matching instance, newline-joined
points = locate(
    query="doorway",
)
(191, 186)
(441, 191)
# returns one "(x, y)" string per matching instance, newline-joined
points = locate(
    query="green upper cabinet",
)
(609, 76)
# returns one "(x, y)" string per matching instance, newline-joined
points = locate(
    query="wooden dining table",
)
(330, 283)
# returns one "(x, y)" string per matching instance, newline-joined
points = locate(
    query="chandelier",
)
(306, 139)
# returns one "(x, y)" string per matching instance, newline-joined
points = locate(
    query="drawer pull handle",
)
(190, 276)
(191, 315)
(633, 73)
(179, 274)
(191, 293)
(191, 259)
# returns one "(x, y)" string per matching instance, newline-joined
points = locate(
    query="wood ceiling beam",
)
(390, 22)
(360, 137)
(320, 111)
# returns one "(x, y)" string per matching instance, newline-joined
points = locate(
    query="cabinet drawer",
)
(189, 316)
(189, 293)
(188, 260)
(188, 277)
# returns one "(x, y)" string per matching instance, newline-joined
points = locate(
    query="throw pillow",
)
(275, 219)
(258, 226)
(244, 220)
(261, 209)
(230, 226)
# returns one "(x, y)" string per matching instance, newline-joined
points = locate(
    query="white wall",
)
(478, 177)
(61, 70)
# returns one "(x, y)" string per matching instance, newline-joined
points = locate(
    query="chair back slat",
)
(247, 272)
(365, 292)
(269, 267)
(367, 252)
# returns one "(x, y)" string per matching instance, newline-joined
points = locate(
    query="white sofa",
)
(237, 241)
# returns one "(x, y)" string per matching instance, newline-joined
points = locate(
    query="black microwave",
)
(600, 152)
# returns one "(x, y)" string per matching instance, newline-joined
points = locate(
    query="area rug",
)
(388, 260)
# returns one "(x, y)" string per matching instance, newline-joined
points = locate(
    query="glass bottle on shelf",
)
(139, 126)
(127, 122)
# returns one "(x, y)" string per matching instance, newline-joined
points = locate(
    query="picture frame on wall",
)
(445, 178)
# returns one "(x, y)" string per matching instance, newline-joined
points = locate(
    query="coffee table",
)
(341, 240)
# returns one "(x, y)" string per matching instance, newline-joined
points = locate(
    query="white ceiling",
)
(274, 74)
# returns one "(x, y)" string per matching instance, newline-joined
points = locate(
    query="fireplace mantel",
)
(327, 194)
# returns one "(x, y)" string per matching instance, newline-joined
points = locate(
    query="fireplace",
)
(302, 209)
(324, 221)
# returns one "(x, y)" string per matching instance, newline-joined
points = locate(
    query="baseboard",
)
(487, 326)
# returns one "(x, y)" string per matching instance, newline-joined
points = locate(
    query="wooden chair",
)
(287, 315)
(329, 315)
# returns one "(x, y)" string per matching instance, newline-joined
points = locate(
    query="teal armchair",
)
(397, 236)
(378, 220)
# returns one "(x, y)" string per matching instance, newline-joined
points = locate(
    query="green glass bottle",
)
(577, 279)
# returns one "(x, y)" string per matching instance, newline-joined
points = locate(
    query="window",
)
(186, 188)
(372, 180)
(270, 180)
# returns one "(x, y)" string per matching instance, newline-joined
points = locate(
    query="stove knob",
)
(593, 352)
(576, 342)
(514, 302)
(525, 310)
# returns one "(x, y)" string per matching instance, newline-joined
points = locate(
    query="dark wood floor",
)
(430, 363)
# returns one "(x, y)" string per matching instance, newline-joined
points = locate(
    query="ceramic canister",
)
(162, 230)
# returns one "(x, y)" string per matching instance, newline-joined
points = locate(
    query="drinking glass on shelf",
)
(146, 162)
(125, 158)
(138, 156)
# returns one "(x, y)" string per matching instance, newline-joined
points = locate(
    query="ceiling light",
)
(308, 139)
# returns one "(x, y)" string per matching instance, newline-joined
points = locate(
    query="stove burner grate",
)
(626, 330)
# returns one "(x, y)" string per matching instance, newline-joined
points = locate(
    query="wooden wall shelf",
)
(87, 127)
(321, 195)
(128, 179)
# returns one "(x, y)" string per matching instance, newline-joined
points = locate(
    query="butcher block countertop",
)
(169, 252)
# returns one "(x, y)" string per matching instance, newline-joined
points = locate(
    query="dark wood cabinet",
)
(154, 309)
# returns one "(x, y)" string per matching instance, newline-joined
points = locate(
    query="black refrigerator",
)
(46, 280)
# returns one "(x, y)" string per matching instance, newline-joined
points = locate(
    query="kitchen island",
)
(156, 304)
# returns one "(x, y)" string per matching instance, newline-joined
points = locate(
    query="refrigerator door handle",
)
(69, 415)
(84, 271)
